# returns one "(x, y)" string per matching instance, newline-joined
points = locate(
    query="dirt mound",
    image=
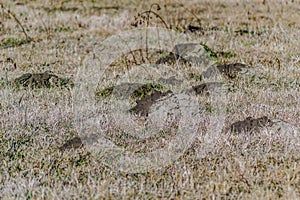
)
(205, 88)
(171, 59)
(37, 80)
(77, 142)
(250, 125)
(228, 70)
(194, 29)
(74, 143)
(143, 105)
(186, 53)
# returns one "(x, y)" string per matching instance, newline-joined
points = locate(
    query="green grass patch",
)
(216, 54)
(211, 52)
(13, 42)
(146, 89)
(105, 92)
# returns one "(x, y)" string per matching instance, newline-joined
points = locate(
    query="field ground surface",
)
(45, 44)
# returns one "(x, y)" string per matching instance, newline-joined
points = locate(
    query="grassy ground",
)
(52, 35)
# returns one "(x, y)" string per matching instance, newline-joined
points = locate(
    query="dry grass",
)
(34, 123)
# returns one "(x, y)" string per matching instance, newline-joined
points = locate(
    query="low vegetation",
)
(255, 46)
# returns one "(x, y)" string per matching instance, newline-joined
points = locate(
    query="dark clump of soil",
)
(37, 80)
(229, 70)
(77, 142)
(171, 59)
(195, 29)
(205, 87)
(247, 32)
(74, 143)
(250, 125)
(199, 29)
(143, 105)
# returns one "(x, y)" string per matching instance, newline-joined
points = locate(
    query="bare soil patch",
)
(250, 125)
(143, 105)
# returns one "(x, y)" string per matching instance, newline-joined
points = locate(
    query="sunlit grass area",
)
(44, 46)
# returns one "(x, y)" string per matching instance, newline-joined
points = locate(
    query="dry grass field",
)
(43, 46)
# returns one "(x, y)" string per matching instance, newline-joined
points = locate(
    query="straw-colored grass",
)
(35, 122)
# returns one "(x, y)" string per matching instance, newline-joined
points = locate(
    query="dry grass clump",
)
(40, 155)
